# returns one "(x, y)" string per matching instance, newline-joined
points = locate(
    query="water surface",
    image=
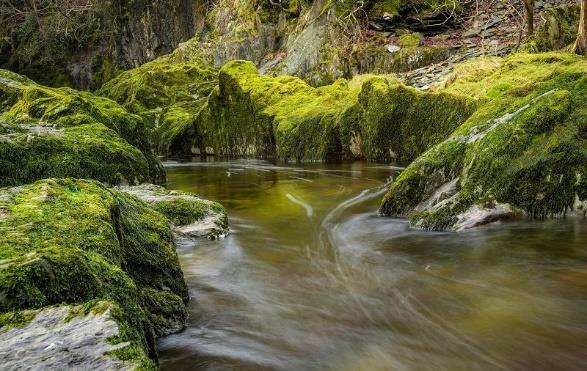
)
(310, 278)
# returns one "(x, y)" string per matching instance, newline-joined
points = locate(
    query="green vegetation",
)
(167, 93)
(75, 241)
(47, 132)
(284, 117)
(559, 29)
(526, 145)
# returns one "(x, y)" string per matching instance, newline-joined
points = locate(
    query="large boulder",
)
(48, 132)
(524, 149)
(65, 242)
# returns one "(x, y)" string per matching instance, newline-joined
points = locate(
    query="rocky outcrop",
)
(65, 242)
(64, 338)
(48, 132)
(524, 149)
(61, 43)
(191, 216)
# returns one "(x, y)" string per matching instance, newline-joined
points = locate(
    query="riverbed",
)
(311, 278)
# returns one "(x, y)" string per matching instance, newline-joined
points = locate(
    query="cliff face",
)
(84, 45)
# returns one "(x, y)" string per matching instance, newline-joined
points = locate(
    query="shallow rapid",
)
(310, 278)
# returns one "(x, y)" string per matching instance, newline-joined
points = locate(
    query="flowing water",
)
(310, 278)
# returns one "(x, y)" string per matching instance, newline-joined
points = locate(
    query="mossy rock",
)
(559, 28)
(167, 93)
(48, 132)
(65, 241)
(191, 216)
(526, 146)
(284, 117)
(410, 40)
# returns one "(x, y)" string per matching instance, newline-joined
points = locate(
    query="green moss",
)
(62, 132)
(525, 145)
(133, 352)
(284, 117)
(182, 212)
(559, 28)
(410, 40)
(168, 94)
(75, 241)
(16, 319)
(399, 123)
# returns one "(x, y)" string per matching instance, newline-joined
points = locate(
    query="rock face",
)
(525, 148)
(65, 241)
(48, 132)
(59, 338)
(370, 117)
(86, 46)
(191, 216)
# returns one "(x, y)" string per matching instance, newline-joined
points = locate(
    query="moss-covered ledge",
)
(191, 216)
(47, 132)
(66, 241)
(369, 117)
(523, 151)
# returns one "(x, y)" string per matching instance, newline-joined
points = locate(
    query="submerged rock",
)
(191, 216)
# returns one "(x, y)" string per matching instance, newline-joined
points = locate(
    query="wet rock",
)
(478, 215)
(191, 216)
(59, 339)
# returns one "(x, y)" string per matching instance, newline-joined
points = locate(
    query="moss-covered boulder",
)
(524, 149)
(47, 132)
(191, 216)
(370, 117)
(76, 242)
(394, 122)
(167, 93)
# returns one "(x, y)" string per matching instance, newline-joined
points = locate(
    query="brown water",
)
(312, 279)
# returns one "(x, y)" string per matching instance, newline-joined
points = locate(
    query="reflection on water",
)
(312, 279)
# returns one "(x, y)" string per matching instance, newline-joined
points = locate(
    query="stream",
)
(310, 278)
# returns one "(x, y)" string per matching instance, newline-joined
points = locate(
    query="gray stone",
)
(392, 48)
(477, 215)
(52, 341)
(211, 226)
